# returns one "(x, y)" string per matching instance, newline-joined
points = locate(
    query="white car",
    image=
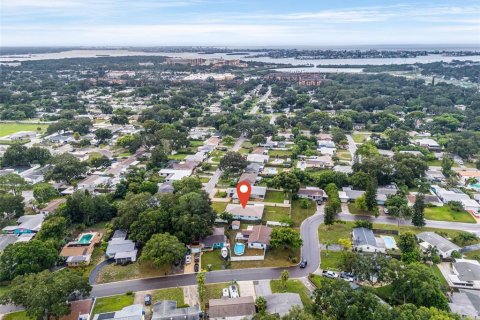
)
(330, 274)
(188, 259)
(233, 291)
(225, 293)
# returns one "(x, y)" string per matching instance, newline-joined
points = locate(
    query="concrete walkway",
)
(262, 288)
(190, 294)
(246, 288)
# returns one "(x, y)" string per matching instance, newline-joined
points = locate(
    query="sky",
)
(264, 23)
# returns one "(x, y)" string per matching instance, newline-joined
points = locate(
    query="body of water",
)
(292, 61)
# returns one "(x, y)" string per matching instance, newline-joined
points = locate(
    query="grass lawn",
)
(360, 137)
(446, 214)
(436, 271)
(438, 163)
(196, 143)
(273, 258)
(275, 213)
(274, 196)
(113, 303)
(384, 292)
(299, 214)
(9, 128)
(330, 260)
(204, 179)
(216, 159)
(331, 234)
(244, 151)
(175, 294)
(213, 258)
(214, 290)
(344, 155)
(293, 286)
(473, 255)
(354, 210)
(219, 207)
(19, 315)
(135, 270)
(97, 257)
(178, 156)
(280, 153)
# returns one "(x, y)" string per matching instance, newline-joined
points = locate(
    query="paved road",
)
(262, 99)
(352, 146)
(210, 185)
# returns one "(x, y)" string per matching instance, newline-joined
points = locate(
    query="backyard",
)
(275, 213)
(219, 207)
(274, 196)
(280, 153)
(445, 213)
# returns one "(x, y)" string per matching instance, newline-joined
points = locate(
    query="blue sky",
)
(238, 22)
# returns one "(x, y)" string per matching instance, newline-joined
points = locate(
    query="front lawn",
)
(293, 286)
(136, 270)
(214, 258)
(175, 294)
(274, 196)
(330, 260)
(219, 207)
(178, 156)
(355, 210)
(473, 255)
(299, 214)
(273, 258)
(275, 213)
(113, 303)
(436, 271)
(19, 315)
(445, 213)
(344, 155)
(196, 143)
(385, 292)
(361, 137)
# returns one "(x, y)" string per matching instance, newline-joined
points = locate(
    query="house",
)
(281, 303)
(58, 138)
(250, 212)
(257, 192)
(432, 239)
(257, 158)
(93, 182)
(364, 240)
(312, 193)
(466, 273)
(435, 176)
(26, 224)
(466, 303)
(250, 177)
(467, 175)
(120, 249)
(79, 252)
(257, 237)
(200, 133)
(348, 194)
(6, 239)
(319, 162)
(428, 143)
(216, 240)
(132, 312)
(429, 199)
(166, 187)
(167, 310)
(79, 310)
(174, 175)
(52, 206)
(233, 308)
(236, 225)
(326, 144)
(457, 195)
(33, 175)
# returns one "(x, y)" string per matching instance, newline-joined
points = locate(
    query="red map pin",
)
(244, 189)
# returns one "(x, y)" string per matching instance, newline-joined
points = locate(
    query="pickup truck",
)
(330, 274)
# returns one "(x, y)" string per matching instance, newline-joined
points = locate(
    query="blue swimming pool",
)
(239, 249)
(389, 242)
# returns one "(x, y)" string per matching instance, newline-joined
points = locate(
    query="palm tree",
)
(284, 278)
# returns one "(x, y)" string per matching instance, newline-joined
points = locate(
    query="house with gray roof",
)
(432, 239)
(466, 303)
(257, 193)
(281, 303)
(167, 310)
(120, 249)
(232, 308)
(132, 312)
(466, 273)
(26, 224)
(364, 240)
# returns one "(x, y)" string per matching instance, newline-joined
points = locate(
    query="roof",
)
(167, 309)
(256, 190)
(311, 191)
(6, 239)
(126, 254)
(119, 234)
(209, 241)
(437, 241)
(28, 222)
(468, 174)
(468, 270)
(166, 187)
(465, 303)
(232, 307)
(281, 303)
(250, 177)
(54, 204)
(260, 158)
(118, 245)
(77, 308)
(363, 237)
(260, 234)
(255, 210)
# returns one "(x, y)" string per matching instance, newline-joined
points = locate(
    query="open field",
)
(299, 214)
(212, 258)
(9, 128)
(274, 196)
(473, 255)
(280, 153)
(360, 137)
(130, 271)
(219, 207)
(446, 214)
(273, 258)
(175, 294)
(275, 213)
(113, 303)
(355, 210)
(330, 259)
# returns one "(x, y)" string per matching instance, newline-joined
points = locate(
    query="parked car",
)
(225, 293)
(303, 264)
(188, 259)
(347, 276)
(330, 274)
(233, 291)
(189, 251)
(148, 299)
(197, 257)
(196, 267)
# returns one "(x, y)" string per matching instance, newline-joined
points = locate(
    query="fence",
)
(382, 231)
(247, 258)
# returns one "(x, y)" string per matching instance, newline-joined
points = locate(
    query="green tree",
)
(232, 163)
(54, 227)
(285, 237)
(360, 203)
(257, 139)
(371, 196)
(65, 167)
(201, 287)
(284, 277)
(418, 218)
(159, 157)
(187, 185)
(447, 164)
(409, 247)
(12, 182)
(103, 134)
(288, 181)
(261, 304)
(46, 294)
(26, 257)
(11, 205)
(44, 192)
(163, 249)
(330, 213)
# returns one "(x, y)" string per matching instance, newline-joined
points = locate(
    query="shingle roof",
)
(437, 241)
(233, 307)
(363, 237)
(260, 234)
(468, 270)
(167, 309)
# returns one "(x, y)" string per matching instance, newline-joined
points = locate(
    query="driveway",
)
(262, 287)
(352, 146)
(94, 274)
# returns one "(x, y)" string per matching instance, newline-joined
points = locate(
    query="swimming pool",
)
(239, 249)
(85, 239)
(475, 186)
(389, 242)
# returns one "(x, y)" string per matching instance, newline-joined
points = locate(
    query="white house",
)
(249, 213)
(364, 240)
(174, 174)
(466, 273)
(257, 193)
(257, 237)
(432, 239)
(258, 158)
